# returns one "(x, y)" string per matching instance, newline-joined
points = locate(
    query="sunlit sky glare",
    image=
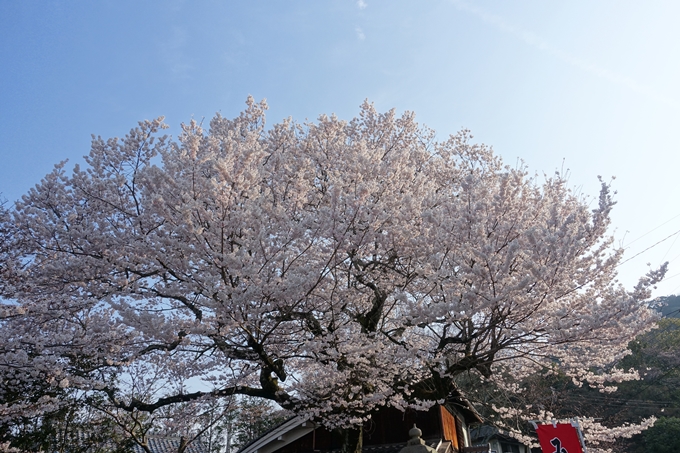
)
(588, 87)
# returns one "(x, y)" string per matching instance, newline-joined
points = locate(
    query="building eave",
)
(280, 436)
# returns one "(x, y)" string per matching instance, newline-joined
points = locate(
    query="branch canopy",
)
(333, 267)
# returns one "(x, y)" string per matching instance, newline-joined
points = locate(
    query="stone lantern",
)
(416, 444)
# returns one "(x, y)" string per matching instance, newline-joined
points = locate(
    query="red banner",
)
(560, 438)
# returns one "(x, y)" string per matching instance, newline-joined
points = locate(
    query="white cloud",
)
(360, 33)
(361, 4)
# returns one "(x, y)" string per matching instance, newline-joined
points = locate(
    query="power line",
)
(652, 230)
(669, 249)
(648, 248)
(668, 278)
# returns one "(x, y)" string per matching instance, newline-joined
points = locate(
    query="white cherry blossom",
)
(333, 267)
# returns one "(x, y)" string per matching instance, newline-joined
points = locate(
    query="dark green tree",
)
(664, 436)
(656, 355)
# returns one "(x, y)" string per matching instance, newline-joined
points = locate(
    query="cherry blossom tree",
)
(332, 267)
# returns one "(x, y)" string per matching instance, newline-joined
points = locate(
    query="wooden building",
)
(443, 428)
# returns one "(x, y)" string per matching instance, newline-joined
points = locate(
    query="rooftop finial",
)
(415, 443)
(415, 433)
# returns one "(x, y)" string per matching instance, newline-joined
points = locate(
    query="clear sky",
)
(589, 86)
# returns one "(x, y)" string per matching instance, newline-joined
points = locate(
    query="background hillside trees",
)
(663, 437)
(332, 267)
(669, 306)
(654, 354)
(657, 355)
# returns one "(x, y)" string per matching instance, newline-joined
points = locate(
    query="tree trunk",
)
(182, 445)
(352, 440)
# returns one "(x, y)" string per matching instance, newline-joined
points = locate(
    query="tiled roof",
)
(271, 430)
(381, 448)
(169, 444)
(483, 433)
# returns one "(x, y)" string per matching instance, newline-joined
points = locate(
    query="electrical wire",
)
(649, 248)
(652, 230)
(669, 249)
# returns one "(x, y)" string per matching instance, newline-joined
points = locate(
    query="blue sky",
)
(592, 86)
